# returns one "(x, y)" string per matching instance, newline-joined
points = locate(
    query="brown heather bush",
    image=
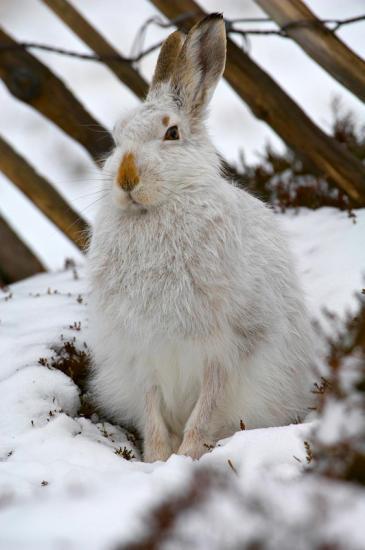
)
(341, 400)
(284, 180)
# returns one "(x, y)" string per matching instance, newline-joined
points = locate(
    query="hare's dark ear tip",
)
(211, 18)
(213, 21)
(215, 15)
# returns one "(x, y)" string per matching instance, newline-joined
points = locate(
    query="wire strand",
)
(332, 25)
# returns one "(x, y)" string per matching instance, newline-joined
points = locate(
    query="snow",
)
(62, 484)
(330, 252)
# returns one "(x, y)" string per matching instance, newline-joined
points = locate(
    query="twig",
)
(319, 41)
(231, 29)
(78, 55)
(103, 50)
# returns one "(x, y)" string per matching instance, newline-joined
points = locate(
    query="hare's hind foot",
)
(194, 444)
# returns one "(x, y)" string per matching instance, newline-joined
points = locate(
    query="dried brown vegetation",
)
(71, 360)
(284, 180)
(75, 363)
(125, 453)
(164, 516)
(338, 446)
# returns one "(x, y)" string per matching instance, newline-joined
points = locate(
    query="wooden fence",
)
(30, 81)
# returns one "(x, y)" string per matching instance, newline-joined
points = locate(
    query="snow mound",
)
(69, 481)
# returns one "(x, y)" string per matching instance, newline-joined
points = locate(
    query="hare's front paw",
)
(156, 448)
(194, 444)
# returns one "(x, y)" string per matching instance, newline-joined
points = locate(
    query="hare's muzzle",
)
(128, 176)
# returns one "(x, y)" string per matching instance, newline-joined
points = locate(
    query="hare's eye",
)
(172, 133)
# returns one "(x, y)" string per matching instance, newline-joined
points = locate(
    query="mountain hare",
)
(197, 321)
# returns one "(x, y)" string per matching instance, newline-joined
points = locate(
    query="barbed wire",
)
(332, 25)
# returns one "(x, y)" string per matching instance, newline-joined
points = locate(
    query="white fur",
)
(197, 275)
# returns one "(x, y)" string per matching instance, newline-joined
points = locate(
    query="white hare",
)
(196, 317)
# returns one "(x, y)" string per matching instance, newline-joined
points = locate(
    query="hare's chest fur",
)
(168, 277)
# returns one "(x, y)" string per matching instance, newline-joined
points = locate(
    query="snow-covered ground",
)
(63, 481)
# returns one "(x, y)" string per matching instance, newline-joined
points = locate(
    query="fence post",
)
(32, 82)
(86, 32)
(318, 42)
(17, 261)
(42, 194)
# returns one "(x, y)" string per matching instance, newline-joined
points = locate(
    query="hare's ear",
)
(166, 60)
(200, 64)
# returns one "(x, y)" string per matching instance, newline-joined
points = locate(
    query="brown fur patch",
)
(165, 120)
(128, 176)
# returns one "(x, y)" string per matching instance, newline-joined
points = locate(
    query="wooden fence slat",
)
(96, 42)
(269, 102)
(17, 261)
(319, 43)
(42, 194)
(32, 82)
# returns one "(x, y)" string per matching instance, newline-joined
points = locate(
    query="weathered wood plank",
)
(86, 32)
(318, 42)
(33, 83)
(42, 194)
(17, 261)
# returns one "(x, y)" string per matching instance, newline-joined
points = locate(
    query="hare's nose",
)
(128, 176)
